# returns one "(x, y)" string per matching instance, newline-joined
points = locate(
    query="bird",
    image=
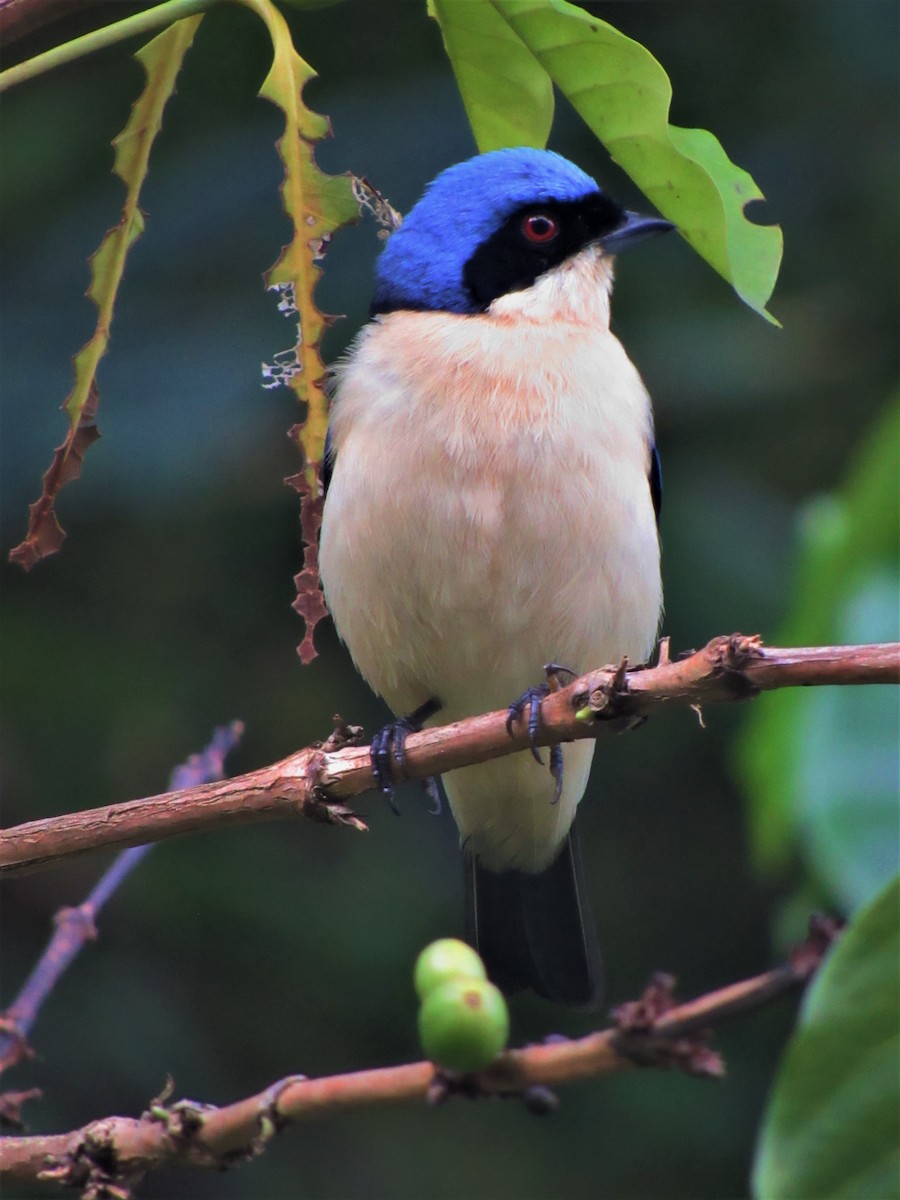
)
(491, 507)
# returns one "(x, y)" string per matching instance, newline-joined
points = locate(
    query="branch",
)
(147, 21)
(19, 18)
(116, 1152)
(75, 927)
(316, 781)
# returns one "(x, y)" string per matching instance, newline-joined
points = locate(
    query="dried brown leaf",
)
(45, 535)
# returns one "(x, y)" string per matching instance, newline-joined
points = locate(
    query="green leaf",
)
(820, 766)
(848, 762)
(161, 59)
(832, 1128)
(508, 96)
(624, 95)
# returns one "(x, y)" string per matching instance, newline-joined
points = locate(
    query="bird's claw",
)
(389, 746)
(553, 670)
(388, 749)
(531, 699)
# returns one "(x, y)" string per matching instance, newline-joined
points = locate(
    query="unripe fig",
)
(463, 1024)
(447, 958)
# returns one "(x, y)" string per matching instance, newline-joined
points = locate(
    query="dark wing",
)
(655, 480)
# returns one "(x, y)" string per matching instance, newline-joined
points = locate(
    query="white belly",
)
(481, 523)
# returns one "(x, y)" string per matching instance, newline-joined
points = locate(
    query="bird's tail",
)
(536, 931)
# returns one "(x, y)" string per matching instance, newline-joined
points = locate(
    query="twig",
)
(316, 781)
(652, 1032)
(77, 926)
(139, 23)
(19, 18)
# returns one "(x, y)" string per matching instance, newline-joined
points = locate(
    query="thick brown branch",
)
(662, 1035)
(314, 782)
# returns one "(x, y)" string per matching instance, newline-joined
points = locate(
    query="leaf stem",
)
(99, 39)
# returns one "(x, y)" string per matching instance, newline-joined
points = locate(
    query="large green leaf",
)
(832, 1129)
(508, 96)
(624, 95)
(847, 761)
(820, 766)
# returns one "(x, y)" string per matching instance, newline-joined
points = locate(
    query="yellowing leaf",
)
(161, 59)
(317, 205)
(507, 94)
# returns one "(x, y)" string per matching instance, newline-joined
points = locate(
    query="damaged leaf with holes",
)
(317, 205)
(161, 60)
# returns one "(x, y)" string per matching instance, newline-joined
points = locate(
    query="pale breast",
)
(489, 508)
(489, 512)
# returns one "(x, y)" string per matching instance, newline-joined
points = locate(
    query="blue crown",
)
(421, 267)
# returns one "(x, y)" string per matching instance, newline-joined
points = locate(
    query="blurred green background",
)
(232, 959)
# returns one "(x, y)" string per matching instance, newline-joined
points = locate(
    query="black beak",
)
(634, 228)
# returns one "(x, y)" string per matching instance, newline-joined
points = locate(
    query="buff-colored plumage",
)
(489, 512)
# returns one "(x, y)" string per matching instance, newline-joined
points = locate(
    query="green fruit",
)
(445, 959)
(463, 1024)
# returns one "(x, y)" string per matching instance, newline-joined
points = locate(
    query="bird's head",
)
(494, 225)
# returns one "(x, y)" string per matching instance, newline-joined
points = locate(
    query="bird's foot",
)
(388, 749)
(531, 699)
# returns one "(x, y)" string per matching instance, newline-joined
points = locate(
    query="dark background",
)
(234, 958)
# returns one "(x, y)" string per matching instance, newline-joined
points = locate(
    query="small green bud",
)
(464, 1024)
(445, 959)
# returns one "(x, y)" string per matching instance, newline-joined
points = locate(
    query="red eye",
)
(540, 228)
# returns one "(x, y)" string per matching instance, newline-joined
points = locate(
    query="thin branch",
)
(144, 22)
(316, 781)
(650, 1032)
(75, 927)
(19, 18)
(25, 18)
